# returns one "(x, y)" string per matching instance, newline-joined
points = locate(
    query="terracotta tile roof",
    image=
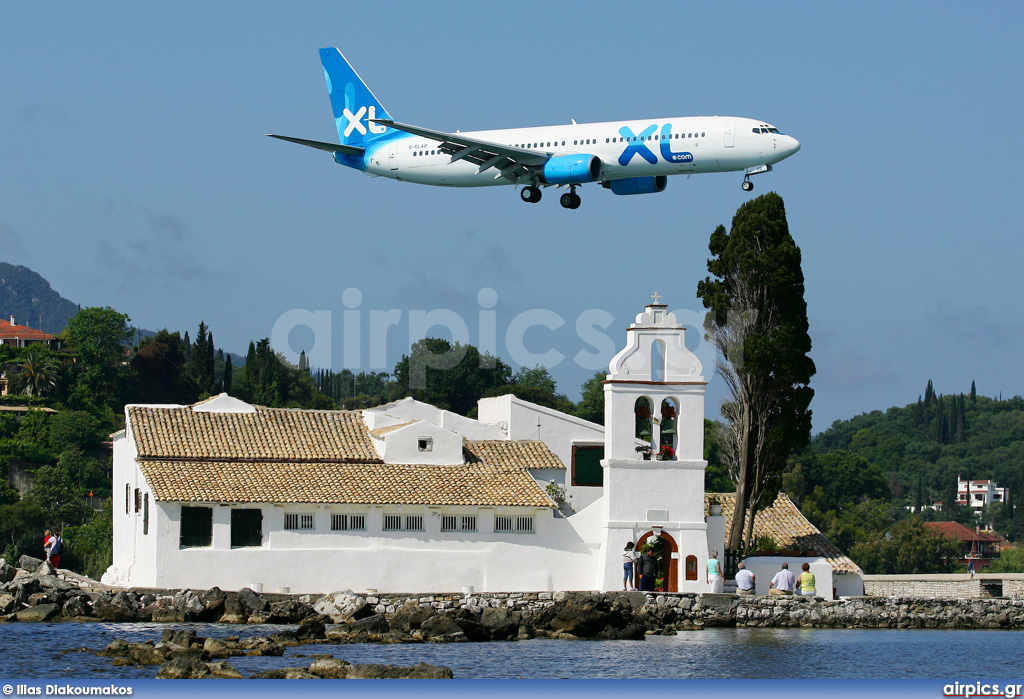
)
(517, 454)
(955, 530)
(309, 456)
(267, 434)
(784, 522)
(23, 332)
(338, 483)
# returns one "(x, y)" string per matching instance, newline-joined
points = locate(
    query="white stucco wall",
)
(133, 551)
(401, 445)
(553, 558)
(409, 409)
(521, 420)
(764, 569)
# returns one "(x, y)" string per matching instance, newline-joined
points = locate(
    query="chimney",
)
(12, 319)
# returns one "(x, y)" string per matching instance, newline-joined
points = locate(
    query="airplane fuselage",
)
(672, 146)
(627, 157)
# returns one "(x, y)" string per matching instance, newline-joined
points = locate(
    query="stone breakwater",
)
(33, 592)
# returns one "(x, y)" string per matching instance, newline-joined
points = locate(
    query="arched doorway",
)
(671, 563)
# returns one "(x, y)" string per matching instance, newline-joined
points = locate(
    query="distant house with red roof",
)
(14, 335)
(975, 545)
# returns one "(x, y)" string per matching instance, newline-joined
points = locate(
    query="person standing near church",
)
(648, 570)
(629, 556)
(714, 575)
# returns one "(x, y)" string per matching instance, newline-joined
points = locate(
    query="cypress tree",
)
(974, 393)
(227, 375)
(758, 321)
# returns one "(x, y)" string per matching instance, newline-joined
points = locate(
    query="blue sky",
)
(135, 174)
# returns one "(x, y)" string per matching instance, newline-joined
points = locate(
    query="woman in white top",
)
(629, 556)
(714, 577)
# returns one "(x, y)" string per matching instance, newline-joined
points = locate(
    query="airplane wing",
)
(322, 145)
(510, 163)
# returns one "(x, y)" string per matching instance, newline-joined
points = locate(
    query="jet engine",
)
(572, 169)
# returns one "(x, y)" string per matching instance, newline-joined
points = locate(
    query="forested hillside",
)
(861, 476)
(32, 301)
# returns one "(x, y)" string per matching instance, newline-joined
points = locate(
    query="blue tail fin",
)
(352, 102)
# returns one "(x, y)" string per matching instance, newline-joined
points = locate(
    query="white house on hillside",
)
(410, 498)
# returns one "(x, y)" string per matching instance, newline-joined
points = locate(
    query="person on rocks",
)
(783, 583)
(745, 580)
(629, 556)
(54, 547)
(714, 575)
(648, 570)
(805, 581)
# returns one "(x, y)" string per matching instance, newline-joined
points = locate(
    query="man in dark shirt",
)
(648, 570)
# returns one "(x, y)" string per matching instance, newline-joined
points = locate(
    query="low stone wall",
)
(666, 613)
(951, 586)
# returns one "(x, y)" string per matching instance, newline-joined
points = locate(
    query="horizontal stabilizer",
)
(322, 145)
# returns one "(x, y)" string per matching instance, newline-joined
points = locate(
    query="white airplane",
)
(627, 157)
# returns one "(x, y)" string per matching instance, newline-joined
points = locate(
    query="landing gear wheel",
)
(567, 200)
(576, 201)
(530, 194)
(747, 185)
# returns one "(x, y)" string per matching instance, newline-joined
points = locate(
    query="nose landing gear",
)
(747, 185)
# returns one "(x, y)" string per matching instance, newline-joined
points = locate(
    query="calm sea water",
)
(68, 650)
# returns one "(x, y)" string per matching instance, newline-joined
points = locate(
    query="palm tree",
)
(35, 374)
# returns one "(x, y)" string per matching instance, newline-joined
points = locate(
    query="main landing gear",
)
(747, 185)
(570, 200)
(530, 194)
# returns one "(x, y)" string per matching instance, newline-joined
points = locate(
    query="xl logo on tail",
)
(355, 121)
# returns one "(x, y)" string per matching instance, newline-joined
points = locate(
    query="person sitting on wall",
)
(783, 582)
(714, 576)
(744, 580)
(805, 581)
(648, 570)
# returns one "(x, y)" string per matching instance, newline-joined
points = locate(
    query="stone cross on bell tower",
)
(654, 450)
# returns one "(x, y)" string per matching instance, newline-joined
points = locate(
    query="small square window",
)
(298, 520)
(425, 444)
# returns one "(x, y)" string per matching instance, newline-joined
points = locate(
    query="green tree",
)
(907, 549)
(228, 371)
(591, 405)
(758, 322)
(35, 374)
(91, 545)
(449, 376)
(21, 529)
(99, 337)
(73, 429)
(200, 363)
(161, 370)
(1009, 561)
(54, 490)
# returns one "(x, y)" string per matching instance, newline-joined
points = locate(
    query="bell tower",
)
(654, 451)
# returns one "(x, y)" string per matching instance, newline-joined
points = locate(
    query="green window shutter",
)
(586, 465)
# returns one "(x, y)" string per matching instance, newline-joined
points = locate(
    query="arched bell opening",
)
(668, 437)
(644, 425)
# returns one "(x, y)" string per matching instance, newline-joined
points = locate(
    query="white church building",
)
(407, 497)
